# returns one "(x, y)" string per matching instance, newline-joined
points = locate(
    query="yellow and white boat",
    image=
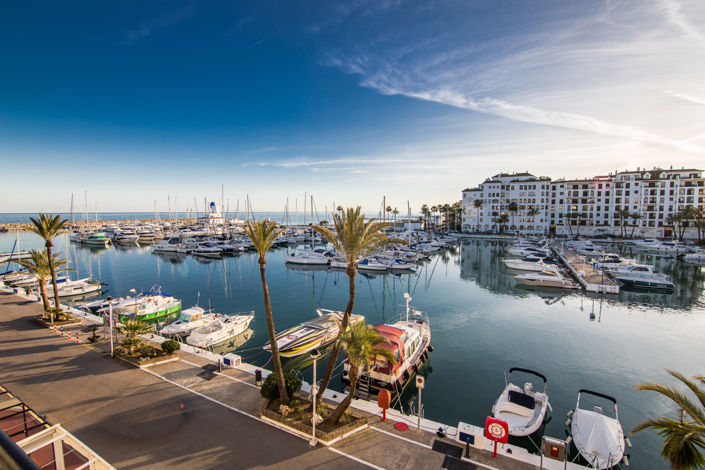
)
(312, 334)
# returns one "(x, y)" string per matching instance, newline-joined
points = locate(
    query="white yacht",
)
(546, 279)
(189, 320)
(221, 329)
(642, 276)
(308, 257)
(525, 265)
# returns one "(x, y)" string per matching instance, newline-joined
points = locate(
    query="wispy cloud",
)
(674, 11)
(686, 97)
(584, 71)
(240, 24)
(148, 27)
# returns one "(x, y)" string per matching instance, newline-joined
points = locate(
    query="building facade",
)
(631, 203)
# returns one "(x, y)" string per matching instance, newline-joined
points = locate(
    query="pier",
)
(162, 414)
(589, 277)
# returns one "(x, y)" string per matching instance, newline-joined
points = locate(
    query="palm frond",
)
(681, 399)
(697, 391)
(262, 234)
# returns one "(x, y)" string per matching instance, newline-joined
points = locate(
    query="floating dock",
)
(591, 278)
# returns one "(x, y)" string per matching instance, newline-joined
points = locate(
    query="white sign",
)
(419, 381)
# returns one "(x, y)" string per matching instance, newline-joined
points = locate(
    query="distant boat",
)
(96, 239)
(189, 320)
(146, 306)
(546, 279)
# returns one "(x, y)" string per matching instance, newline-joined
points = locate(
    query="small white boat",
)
(79, 287)
(96, 239)
(524, 265)
(697, 257)
(222, 328)
(546, 279)
(523, 409)
(368, 264)
(598, 437)
(189, 320)
(307, 257)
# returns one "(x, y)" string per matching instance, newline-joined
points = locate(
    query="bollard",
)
(77, 338)
(69, 334)
(258, 377)
(467, 448)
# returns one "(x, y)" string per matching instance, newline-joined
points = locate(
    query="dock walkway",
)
(173, 415)
(592, 279)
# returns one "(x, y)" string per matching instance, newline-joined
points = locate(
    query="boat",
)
(220, 329)
(368, 264)
(642, 276)
(307, 257)
(311, 334)
(190, 319)
(167, 246)
(410, 341)
(96, 239)
(530, 265)
(522, 408)
(546, 278)
(599, 438)
(697, 257)
(12, 256)
(79, 287)
(152, 305)
(613, 260)
(125, 235)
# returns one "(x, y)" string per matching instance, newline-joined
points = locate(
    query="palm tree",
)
(262, 235)
(48, 227)
(354, 239)
(395, 212)
(434, 209)
(389, 212)
(361, 343)
(38, 265)
(635, 216)
(513, 207)
(133, 328)
(683, 437)
(533, 212)
(478, 206)
(426, 212)
(502, 219)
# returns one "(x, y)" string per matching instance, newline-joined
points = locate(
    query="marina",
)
(480, 316)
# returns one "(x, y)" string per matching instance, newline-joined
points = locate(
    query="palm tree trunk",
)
(276, 360)
(43, 292)
(335, 350)
(53, 278)
(345, 404)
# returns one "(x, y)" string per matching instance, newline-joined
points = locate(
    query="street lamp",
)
(314, 355)
(134, 292)
(110, 312)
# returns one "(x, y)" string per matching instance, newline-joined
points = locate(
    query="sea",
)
(482, 324)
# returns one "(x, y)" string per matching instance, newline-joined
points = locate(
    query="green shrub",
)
(270, 390)
(169, 346)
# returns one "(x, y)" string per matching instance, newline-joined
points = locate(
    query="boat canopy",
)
(528, 371)
(395, 337)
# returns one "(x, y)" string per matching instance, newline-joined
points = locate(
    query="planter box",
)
(65, 323)
(294, 424)
(148, 361)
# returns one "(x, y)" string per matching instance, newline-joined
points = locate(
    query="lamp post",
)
(110, 312)
(314, 355)
(134, 292)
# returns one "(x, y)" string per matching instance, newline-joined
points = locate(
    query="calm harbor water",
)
(482, 324)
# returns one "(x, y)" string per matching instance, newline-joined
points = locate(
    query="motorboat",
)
(527, 250)
(522, 408)
(190, 319)
(697, 257)
(526, 265)
(207, 251)
(546, 278)
(312, 334)
(410, 341)
(613, 260)
(96, 239)
(125, 235)
(642, 276)
(13, 256)
(599, 438)
(152, 305)
(220, 329)
(308, 257)
(368, 264)
(169, 245)
(79, 287)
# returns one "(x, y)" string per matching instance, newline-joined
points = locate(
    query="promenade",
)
(179, 415)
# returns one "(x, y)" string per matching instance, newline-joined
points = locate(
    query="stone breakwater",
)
(81, 225)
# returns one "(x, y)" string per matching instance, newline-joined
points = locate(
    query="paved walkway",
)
(173, 415)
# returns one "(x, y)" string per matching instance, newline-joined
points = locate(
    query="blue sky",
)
(135, 101)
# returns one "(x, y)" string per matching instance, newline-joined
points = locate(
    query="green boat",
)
(145, 307)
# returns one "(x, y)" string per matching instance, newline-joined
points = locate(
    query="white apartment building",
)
(587, 206)
(497, 194)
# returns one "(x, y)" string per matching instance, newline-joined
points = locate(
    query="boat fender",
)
(430, 348)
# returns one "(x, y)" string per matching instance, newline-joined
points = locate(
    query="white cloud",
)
(148, 27)
(676, 16)
(686, 97)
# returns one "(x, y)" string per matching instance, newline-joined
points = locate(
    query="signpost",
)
(496, 430)
(419, 385)
(384, 399)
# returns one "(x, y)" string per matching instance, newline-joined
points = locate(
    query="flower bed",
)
(46, 322)
(298, 419)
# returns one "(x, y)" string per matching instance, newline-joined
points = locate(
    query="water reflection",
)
(481, 262)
